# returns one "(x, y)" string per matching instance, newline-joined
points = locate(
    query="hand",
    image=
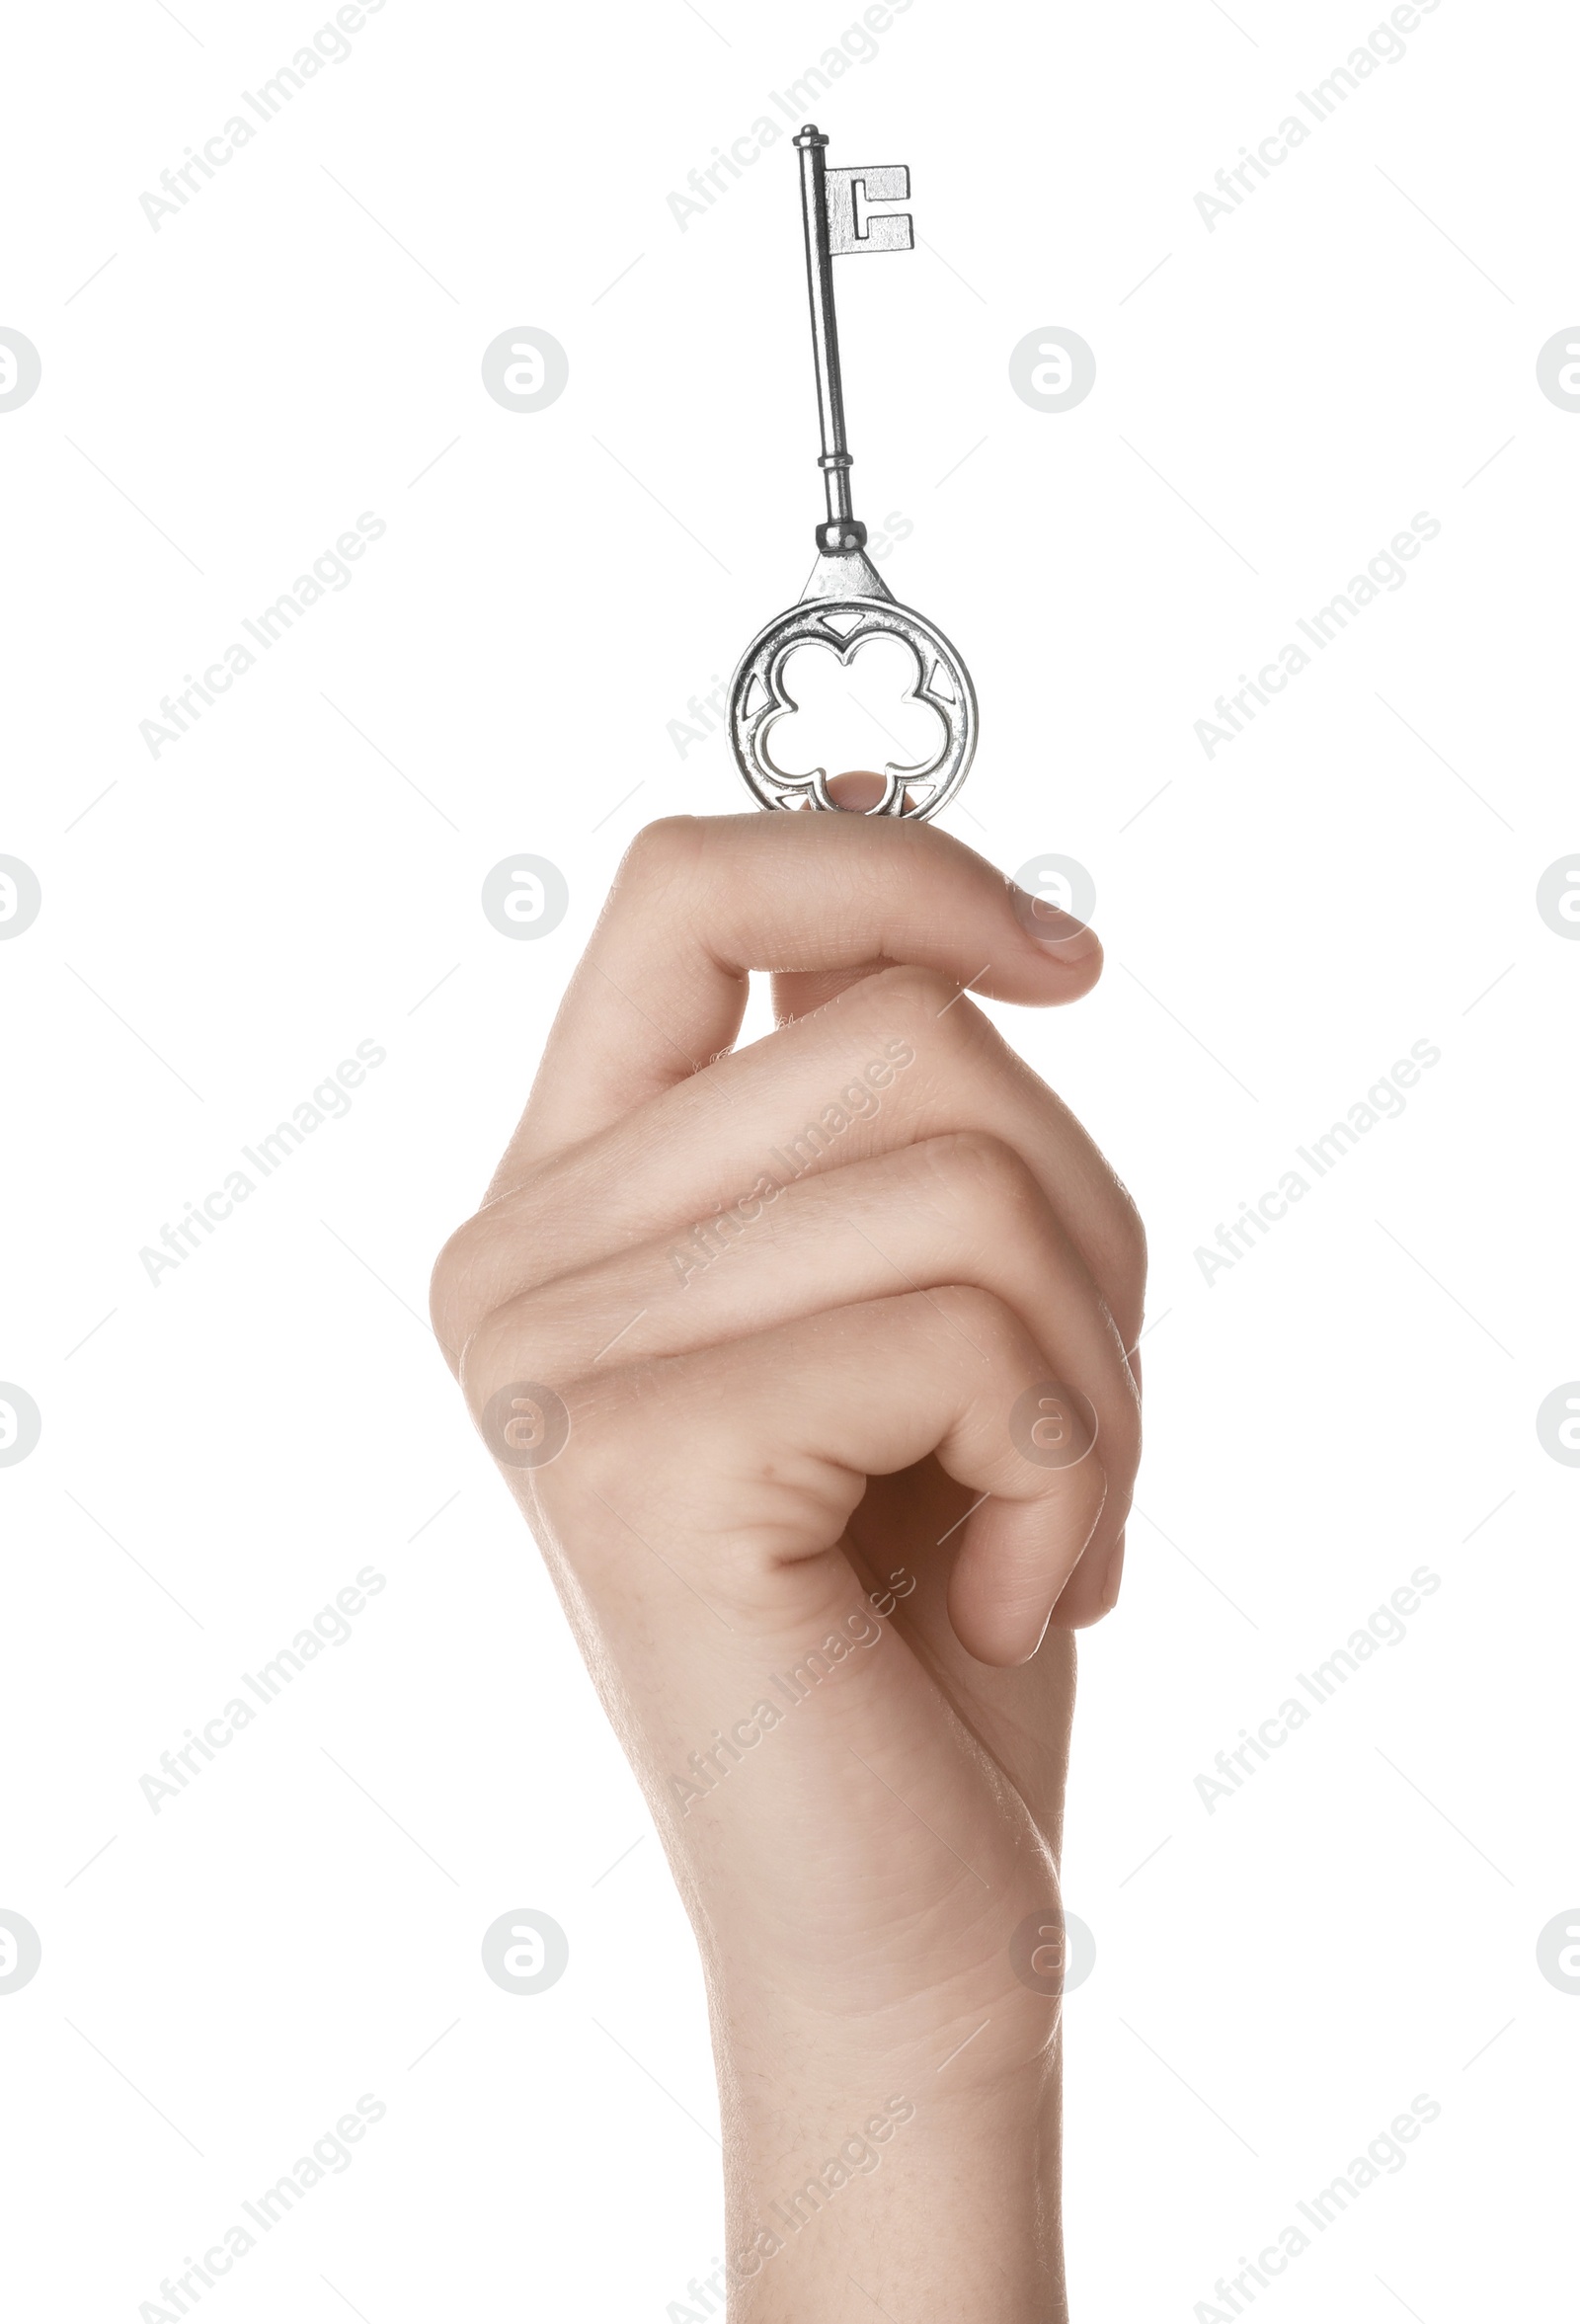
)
(808, 1366)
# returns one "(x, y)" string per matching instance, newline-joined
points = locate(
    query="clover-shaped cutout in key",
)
(936, 679)
(852, 703)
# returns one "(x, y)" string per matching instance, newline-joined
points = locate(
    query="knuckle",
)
(1135, 1229)
(507, 1345)
(984, 1318)
(445, 1285)
(1127, 1235)
(985, 1173)
(459, 1289)
(508, 1245)
(918, 997)
(660, 852)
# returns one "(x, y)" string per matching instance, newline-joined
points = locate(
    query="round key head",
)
(842, 626)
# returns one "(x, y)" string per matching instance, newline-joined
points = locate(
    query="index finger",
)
(700, 901)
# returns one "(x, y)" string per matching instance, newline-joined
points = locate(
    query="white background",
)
(1357, 872)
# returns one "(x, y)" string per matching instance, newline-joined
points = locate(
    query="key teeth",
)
(888, 181)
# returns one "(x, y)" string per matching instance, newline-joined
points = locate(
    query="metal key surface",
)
(846, 601)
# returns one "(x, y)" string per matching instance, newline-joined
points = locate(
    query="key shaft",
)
(842, 528)
(833, 230)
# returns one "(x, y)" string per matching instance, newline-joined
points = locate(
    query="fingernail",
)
(1059, 932)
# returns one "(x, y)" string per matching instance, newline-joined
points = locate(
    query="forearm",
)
(868, 2195)
(887, 2056)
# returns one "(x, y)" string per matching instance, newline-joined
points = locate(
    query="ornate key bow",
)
(846, 601)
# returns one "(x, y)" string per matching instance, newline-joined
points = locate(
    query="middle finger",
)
(901, 1056)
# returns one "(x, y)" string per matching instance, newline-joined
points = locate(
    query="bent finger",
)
(752, 1486)
(960, 1209)
(900, 1059)
(700, 901)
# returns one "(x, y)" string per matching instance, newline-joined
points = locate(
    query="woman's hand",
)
(808, 1366)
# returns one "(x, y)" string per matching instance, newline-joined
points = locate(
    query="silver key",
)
(846, 601)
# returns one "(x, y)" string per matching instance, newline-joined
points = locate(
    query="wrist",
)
(918, 2170)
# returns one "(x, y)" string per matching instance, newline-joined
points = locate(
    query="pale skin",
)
(776, 1431)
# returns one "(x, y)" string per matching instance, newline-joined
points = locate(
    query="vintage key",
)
(846, 601)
